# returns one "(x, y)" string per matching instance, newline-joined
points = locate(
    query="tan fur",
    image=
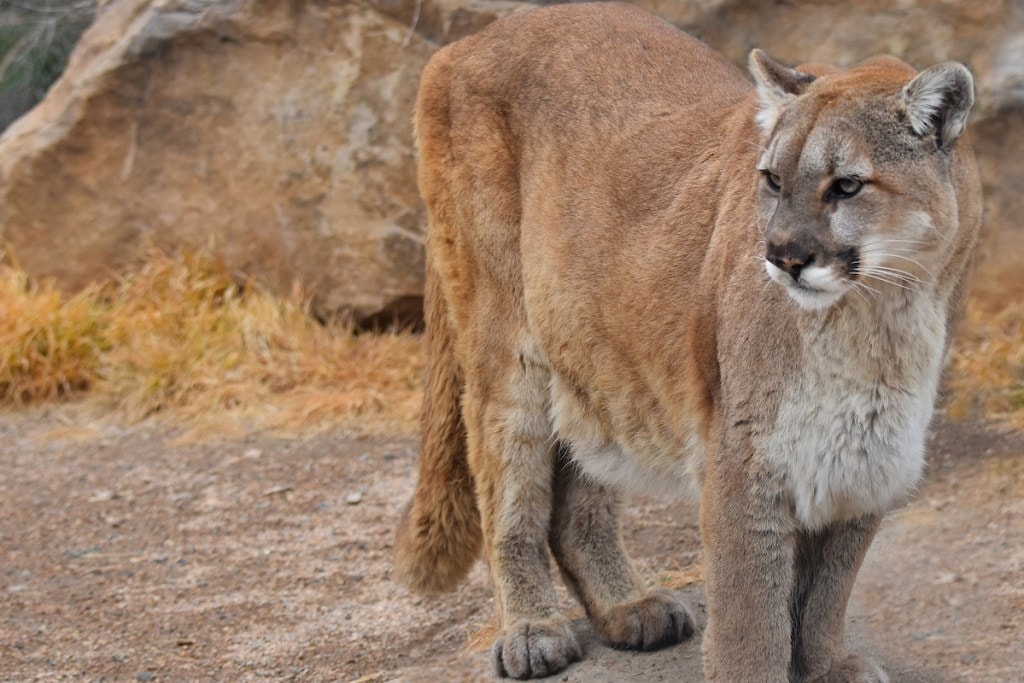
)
(599, 316)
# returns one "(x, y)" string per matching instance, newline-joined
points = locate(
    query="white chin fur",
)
(818, 289)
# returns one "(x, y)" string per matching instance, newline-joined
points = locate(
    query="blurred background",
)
(262, 150)
(36, 39)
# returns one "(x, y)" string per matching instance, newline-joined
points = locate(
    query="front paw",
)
(534, 649)
(657, 620)
(854, 669)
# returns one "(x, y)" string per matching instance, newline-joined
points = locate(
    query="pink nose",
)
(790, 257)
(790, 263)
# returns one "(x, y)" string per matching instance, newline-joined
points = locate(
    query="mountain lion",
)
(644, 271)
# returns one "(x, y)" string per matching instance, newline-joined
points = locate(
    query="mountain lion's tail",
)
(439, 536)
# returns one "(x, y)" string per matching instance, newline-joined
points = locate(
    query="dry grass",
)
(987, 373)
(481, 639)
(986, 376)
(50, 346)
(177, 338)
(682, 578)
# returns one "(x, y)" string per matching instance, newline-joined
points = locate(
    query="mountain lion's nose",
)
(790, 257)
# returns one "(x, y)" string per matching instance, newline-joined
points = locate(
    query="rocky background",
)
(278, 132)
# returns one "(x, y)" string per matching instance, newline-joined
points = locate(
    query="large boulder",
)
(275, 133)
(279, 133)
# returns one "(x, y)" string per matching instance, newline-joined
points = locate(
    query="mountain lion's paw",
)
(659, 619)
(534, 649)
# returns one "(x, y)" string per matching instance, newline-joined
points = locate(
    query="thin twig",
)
(412, 24)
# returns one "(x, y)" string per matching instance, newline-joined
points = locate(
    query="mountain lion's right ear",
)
(938, 100)
(777, 86)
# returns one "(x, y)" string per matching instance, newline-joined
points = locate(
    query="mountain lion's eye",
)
(773, 181)
(844, 188)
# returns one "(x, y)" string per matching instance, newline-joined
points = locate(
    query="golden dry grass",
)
(177, 338)
(682, 578)
(50, 345)
(986, 376)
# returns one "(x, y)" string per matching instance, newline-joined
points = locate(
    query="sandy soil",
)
(128, 555)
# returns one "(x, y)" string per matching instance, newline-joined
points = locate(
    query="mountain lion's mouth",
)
(808, 290)
(814, 288)
(804, 287)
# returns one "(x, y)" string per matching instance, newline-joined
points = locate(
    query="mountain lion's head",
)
(855, 190)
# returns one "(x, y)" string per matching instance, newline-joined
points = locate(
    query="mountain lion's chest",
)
(849, 434)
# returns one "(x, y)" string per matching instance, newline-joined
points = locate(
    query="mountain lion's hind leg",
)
(827, 562)
(511, 456)
(586, 542)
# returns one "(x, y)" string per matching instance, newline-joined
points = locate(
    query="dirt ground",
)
(129, 555)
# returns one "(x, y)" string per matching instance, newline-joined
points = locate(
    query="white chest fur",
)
(849, 437)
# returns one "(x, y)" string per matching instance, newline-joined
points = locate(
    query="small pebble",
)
(145, 676)
(354, 498)
(102, 496)
(277, 490)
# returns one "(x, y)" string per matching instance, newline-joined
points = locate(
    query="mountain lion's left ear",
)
(938, 100)
(777, 86)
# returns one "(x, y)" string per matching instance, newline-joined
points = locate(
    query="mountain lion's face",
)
(852, 197)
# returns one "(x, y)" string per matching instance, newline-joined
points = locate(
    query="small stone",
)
(277, 490)
(354, 498)
(252, 453)
(145, 676)
(102, 496)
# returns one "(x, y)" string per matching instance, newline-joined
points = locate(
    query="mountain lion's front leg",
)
(827, 564)
(749, 550)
